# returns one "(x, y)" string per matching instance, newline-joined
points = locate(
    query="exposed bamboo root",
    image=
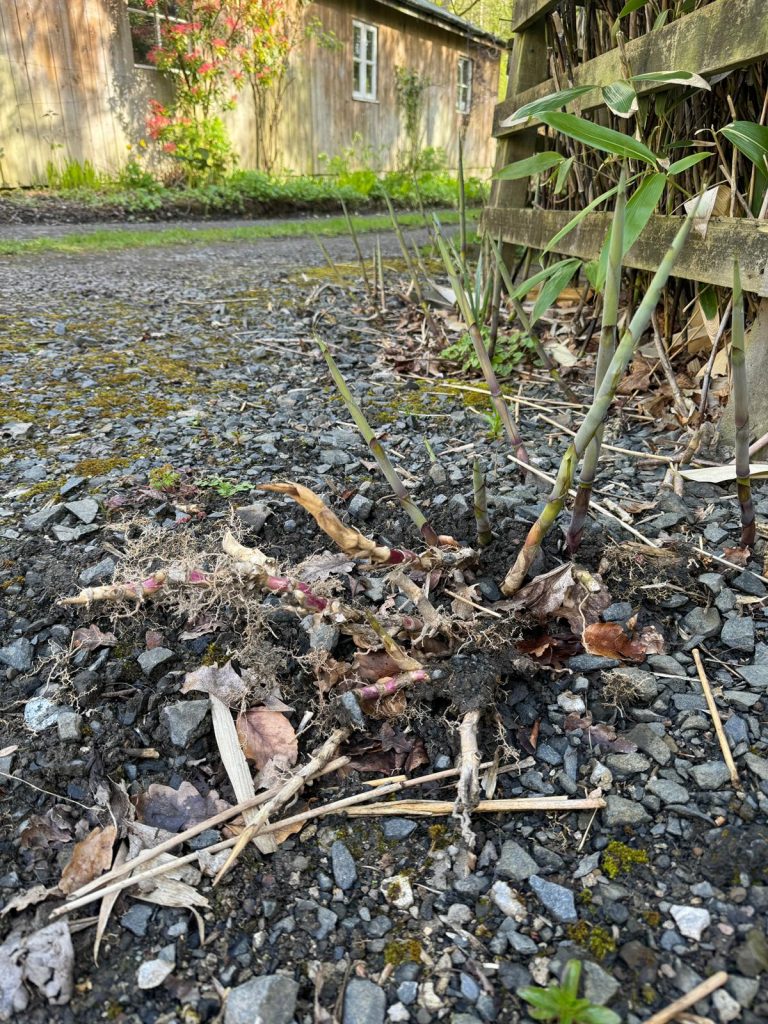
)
(468, 786)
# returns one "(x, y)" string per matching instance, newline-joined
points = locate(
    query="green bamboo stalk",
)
(480, 351)
(386, 467)
(462, 203)
(605, 350)
(380, 276)
(484, 532)
(597, 412)
(529, 329)
(329, 261)
(741, 413)
(404, 249)
(356, 244)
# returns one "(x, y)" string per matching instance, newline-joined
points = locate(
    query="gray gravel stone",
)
(343, 864)
(70, 726)
(364, 1003)
(739, 634)
(150, 660)
(270, 999)
(38, 521)
(41, 713)
(627, 764)
(736, 730)
(640, 687)
(397, 828)
(360, 507)
(619, 811)
(703, 622)
(17, 655)
(184, 719)
(748, 583)
(514, 862)
(667, 791)
(650, 742)
(99, 573)
(758, 765)
(599, 987)
(755, 676)
(710, 775)
(136, 919)
(86, 509)
(556, 898)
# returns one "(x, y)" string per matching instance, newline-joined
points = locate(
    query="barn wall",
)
(69, 90)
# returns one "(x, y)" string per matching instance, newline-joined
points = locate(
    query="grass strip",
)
(137, 238)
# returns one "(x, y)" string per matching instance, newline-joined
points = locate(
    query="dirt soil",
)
(147, 395)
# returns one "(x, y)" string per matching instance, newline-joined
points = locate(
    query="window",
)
(145, 28)
(464, 85)
(363, 61)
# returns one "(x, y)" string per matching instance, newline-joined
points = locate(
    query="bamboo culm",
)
(741, 414)
(597, 412)
(605, 351)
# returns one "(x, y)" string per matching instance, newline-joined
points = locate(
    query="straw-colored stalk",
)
(741, 414)
(480, 351)
(386, 467)
(404, 249)
(358, 250)
(605, 351)
(596, 413)
(480, 495)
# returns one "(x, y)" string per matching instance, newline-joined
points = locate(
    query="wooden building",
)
(74, 86)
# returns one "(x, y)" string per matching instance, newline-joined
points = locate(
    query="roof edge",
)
(430, 12)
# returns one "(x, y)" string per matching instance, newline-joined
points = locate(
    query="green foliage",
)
(74, 175)
(224, 488)
(134, 177)
(164, 478)
(511, 349)
(561, 1003)
(409, 88)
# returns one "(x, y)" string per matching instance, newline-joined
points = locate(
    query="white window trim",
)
(157, 17)
(466, 106)
(366, 29)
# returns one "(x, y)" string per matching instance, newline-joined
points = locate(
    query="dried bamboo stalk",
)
(356, 244)
(741, 414)
(597, 412)
(404, 250)
(438, 808)
(700, 991)
(605, 351)
(716, 720)
(377, 450)
(284, 795)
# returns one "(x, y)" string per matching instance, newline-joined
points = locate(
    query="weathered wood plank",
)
(526, 12)
(709, 260)
(720, 37)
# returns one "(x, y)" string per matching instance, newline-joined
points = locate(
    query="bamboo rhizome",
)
(605, 351)
(597, 411)
(377, 450)
(483, 358)
(741, 413)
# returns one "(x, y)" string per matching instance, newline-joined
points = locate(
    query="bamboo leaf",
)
(552, 288)
(562, 174)
(687, 161)
(543, 276)
(621, 98)
(596, 137)
(578, 218)
(750, 139)
(630, 6)
(689, 78)
(661, 21)
(554, 101)
(638, 212)
(530, 166)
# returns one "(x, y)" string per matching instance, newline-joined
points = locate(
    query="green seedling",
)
(224, 488)
(164, 478)
(561, 1003)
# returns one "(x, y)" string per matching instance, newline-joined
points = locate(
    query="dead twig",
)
(721, 738)
(700, 991)
(438, 808)
(468, 786)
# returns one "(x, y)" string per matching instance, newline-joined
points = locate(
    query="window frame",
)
(464, 84)
(156, 17)
(361, 63)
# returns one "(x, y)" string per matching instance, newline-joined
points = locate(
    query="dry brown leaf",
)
(267, 735)
(351, 541)
(91, 857)
(601, 733)
(567, 592)
(319, 567)
(153, 638)
(88, 638)
(28, 898)
(223, 682)
(608, 640)
(43, 831)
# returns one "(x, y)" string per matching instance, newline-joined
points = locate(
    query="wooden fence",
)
(720, 37)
